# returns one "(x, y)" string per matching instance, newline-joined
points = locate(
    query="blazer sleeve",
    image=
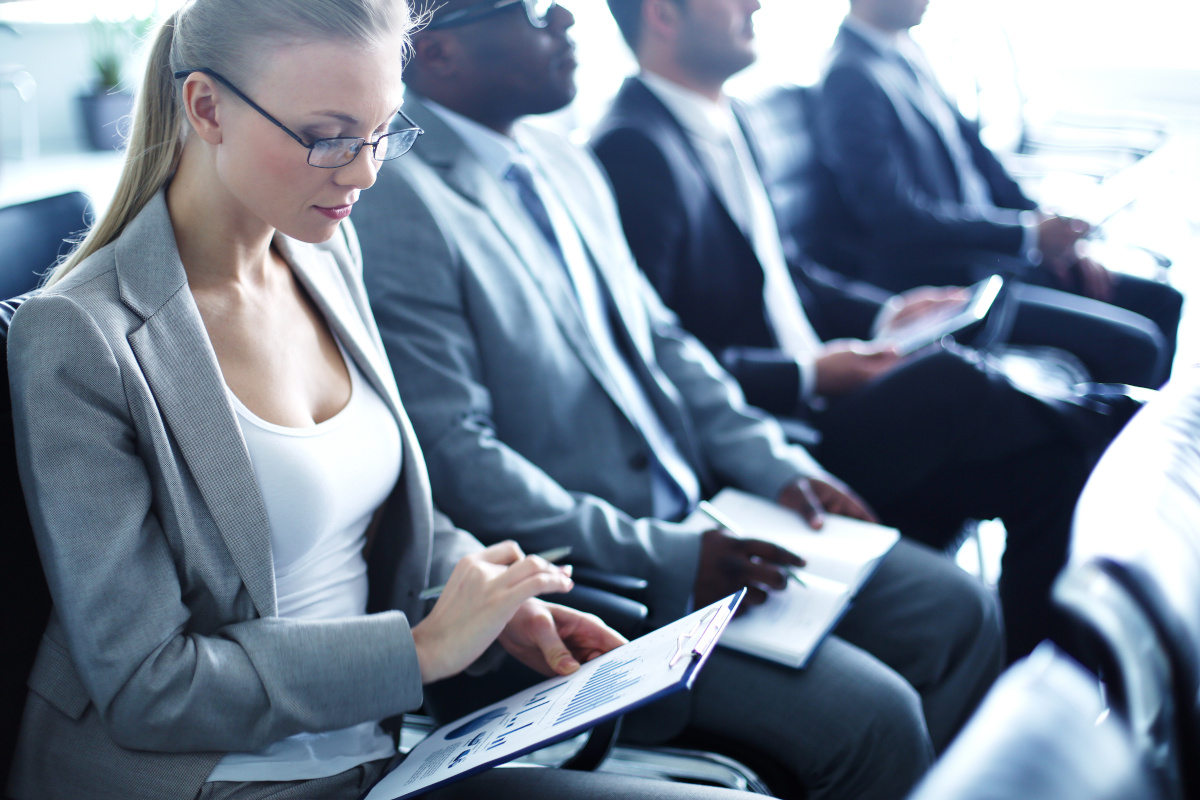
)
(157, 682)
(743, 446)
(413, 271)
(861, 143)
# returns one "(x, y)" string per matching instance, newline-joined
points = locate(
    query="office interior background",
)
(1093, 104)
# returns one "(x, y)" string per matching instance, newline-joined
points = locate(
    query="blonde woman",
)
(231, 507)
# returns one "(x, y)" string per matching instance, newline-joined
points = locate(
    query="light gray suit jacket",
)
(164, 648)
(524, 431)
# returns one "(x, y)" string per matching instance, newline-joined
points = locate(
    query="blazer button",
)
(639, 461)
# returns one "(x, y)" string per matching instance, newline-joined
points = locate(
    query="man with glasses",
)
(559, 403)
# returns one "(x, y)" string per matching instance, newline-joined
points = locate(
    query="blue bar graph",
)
(604, 686)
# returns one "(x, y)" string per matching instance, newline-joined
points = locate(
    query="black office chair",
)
(1138, 520)
(1117, 639)
(1041, 734)
(34, 236)
(24, 596)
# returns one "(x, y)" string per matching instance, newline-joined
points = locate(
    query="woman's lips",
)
(335, 212)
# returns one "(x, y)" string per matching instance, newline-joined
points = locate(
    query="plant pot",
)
(105, 118)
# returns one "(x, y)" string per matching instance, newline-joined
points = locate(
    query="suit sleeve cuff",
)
(1029, 238)
(807, 365)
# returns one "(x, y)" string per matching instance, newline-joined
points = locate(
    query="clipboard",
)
(655, 665)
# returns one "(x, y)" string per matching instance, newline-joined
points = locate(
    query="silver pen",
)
(552, 555)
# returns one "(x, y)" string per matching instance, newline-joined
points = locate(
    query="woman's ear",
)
(201, 104)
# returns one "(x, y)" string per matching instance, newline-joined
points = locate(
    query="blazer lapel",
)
(180, 366)
(620, 283)
(446, 153)
(910, 102)
(317, 270)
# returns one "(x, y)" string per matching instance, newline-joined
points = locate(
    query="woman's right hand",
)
(484, 591)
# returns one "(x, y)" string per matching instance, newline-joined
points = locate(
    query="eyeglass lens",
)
(341, 151)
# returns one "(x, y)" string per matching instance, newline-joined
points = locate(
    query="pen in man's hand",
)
(552, 555)
(711, 511)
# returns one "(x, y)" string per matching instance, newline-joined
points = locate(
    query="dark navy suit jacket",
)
(902, 220)
(701, 262)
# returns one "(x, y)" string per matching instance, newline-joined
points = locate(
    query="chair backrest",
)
(1118, 639)
(33, 234)
(24, 596)
(1040, 735)
(801, 188)
(1138, 519)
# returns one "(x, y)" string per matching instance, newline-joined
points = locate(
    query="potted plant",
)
(108, 105)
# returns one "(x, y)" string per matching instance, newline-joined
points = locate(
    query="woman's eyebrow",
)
(338, 115)
(348, 118)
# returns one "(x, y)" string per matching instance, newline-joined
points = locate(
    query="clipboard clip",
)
(703, 635)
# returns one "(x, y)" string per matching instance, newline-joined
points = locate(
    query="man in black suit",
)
(920, 199)
(929, 441)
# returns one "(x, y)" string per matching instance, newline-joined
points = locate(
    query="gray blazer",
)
(164, 648)
(524, 431)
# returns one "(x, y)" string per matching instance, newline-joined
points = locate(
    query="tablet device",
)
(930, 328)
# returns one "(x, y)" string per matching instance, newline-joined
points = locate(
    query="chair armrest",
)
(621, 585)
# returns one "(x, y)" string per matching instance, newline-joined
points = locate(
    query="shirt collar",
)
(699, 116)
(495, 151)
(886, 43)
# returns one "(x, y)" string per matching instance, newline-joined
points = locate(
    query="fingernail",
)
(567, 665)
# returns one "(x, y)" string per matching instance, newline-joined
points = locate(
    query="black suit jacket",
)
(902, 221)
(701, 262)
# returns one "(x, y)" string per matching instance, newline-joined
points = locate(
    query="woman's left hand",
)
(554, 639)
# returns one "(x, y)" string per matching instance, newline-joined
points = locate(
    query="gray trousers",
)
(909, 663)
(517, 783)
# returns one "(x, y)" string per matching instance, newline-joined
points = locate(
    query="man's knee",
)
(892, 749)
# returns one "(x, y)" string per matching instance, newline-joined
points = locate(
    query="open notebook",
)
(841, 556)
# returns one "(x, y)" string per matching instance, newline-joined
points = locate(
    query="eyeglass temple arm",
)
(183, 73)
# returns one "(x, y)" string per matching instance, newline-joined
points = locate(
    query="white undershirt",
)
(321, 486)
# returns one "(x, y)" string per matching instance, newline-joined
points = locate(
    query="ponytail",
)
(151, 157)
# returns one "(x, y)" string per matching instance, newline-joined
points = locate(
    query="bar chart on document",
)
(604, 686)
(657, 663)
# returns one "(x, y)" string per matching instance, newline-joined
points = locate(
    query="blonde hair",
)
(222, 35)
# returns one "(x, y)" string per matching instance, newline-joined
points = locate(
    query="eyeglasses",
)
(337, 151)
(536, 11)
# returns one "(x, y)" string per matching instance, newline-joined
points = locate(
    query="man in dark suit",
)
(558, 402)
(929, 441)
(920, 199)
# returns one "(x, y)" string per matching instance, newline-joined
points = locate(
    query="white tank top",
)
(321, 486)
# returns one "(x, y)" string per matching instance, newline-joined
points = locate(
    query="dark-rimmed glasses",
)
(536, 11)
(336, 151)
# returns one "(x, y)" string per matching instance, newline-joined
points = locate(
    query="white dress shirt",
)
(715, 133)
(498, 154)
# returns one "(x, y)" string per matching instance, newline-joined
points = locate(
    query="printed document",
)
(645, 669)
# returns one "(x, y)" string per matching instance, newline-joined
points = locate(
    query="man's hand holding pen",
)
(729, 560)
